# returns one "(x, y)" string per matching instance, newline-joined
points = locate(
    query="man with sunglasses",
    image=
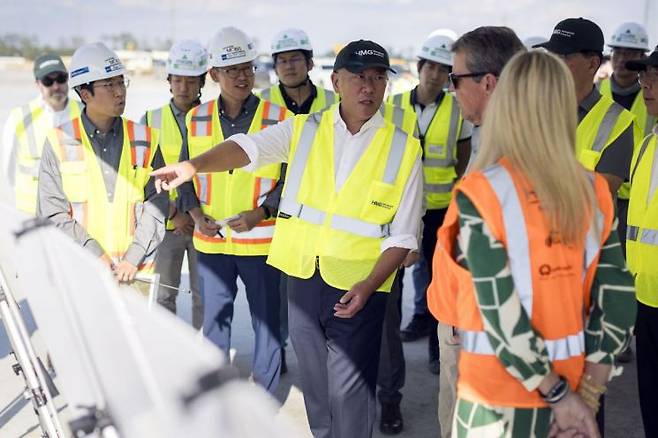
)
(234, 211)
(27, 127)
(478, 58)
(605, 135)
(349, 214)
(94, 179)
(642, 248)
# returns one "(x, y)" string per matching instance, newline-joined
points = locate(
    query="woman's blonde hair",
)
(531, 120)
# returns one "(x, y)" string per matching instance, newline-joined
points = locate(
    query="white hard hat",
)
(231, 46)
(532, 41)
(445, 32)
(291, 39)
(187, 58)
(630, 36)
(437, 47)
(94, 62)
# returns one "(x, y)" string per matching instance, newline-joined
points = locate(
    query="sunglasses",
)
(61, 78)
(454, 78)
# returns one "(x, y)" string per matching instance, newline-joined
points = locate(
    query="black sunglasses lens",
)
(49, 80)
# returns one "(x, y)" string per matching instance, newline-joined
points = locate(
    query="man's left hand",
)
(125, 272)
(353, 300)
(247, 220)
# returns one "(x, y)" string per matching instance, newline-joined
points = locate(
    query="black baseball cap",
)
(46, 64)
(574, 35)
(642, 64)
(360, 55)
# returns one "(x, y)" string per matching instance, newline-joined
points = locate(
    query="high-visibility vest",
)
(110, 223)
(553, 282)
(439, 148)
(400, 117)
(323, 99)
(171, 140)
(31, 130)
(602, 125)
(644, 123)
(642, 229)
(341, 231)
(226, 194)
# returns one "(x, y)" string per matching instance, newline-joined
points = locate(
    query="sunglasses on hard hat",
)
(455, 78)
(60, 78)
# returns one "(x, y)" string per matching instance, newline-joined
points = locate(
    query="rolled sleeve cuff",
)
(406, 241)
(134, 255)
(249, 147)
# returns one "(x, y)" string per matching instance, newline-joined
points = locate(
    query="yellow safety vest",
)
(644, 123)
(110, 223)
(226, 194)
(31, 130)
(341, 231)
(171, 140)
(642, 230)
(323, 99)
(602, 125)
(439, 148)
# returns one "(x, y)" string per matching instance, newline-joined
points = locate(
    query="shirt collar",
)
(177, 111)
(91, 129)
(414, 97)
(250, 104)
(590, 100)
(376, 121)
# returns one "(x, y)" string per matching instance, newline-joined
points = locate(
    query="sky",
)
(400, 24)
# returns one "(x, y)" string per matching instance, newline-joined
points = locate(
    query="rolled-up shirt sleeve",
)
(52, 203)
(405, 228)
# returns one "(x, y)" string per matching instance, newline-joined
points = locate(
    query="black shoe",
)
(391, 421)
(418, 327)
(284, 366)
(434, 366)
(625, 356)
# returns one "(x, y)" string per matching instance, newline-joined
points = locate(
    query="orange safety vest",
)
(553, 282)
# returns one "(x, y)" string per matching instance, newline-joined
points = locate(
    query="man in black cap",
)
(605, 137)
(642, 249)
(349, 214)
(27, 126)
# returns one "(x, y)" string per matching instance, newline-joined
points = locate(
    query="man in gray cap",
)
(28, 125)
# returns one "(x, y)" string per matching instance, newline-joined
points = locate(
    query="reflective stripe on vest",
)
(323, 99)
(201, 121)
(289, 207)
(572, 345)
(606, 127)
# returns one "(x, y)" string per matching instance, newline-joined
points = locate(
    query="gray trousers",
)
(390, 378)
(447, 378)
(168, 263)
(338, 358)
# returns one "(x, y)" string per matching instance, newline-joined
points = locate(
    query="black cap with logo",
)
(46, 64)
(361, 55)
(642, 64)
(574, 35)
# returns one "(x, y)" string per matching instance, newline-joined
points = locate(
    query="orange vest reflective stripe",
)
(553, 282)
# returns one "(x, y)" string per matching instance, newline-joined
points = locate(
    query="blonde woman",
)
(528, 247)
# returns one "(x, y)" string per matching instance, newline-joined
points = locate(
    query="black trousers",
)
(338, 358)
(432, 221)
(646, 338)
(391, 358)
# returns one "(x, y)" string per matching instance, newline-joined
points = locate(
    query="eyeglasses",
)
(110, 86)
(454, 78)
(48, 81)
(234, 72)
(648, 77)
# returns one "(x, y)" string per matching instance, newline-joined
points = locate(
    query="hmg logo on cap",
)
(369, 52)
(564, 33)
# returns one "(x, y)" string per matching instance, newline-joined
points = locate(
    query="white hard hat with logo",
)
(291, 39)
(231, 46)
(437, 47)
(630, 36)
(187, 58)
(94, 62)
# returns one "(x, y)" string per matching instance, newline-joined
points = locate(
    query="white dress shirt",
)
(272, 145)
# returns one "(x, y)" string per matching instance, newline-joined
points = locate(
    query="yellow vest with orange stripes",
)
(110, 222)
(225, 194)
